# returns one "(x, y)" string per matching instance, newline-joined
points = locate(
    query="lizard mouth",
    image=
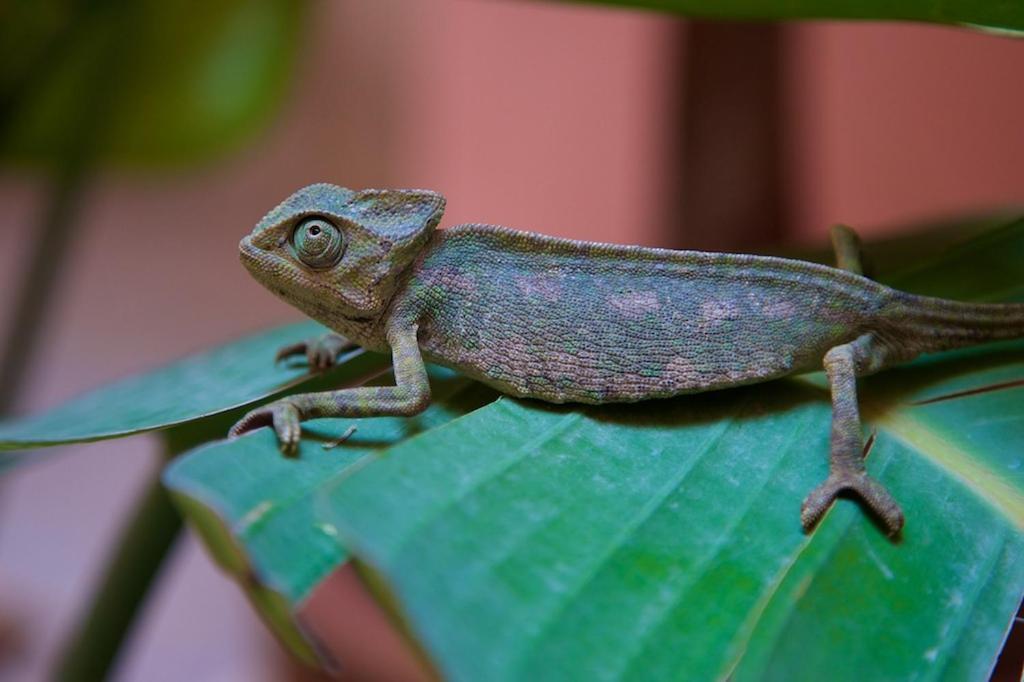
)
(265, 266)
(249, 252)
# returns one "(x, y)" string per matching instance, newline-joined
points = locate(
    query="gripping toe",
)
(283, 416)
(871, 492)
(291, 350)
(321, 353)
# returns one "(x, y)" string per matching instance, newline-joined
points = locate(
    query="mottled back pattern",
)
(584, 322)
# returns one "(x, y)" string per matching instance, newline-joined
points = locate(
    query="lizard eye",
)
(318, 243)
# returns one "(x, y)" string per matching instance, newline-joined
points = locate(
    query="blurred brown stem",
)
(37, 287)
(732, 185)
(138, 555)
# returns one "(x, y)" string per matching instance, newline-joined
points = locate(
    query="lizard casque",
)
(572, 321)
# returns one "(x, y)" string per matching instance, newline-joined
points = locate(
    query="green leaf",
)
(195, 388)
(255, 508)
(528, 542)
(174, 81)
(993, 16)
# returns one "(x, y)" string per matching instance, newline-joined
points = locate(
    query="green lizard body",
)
(571, 321)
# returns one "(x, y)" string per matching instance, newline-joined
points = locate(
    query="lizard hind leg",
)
(848, 250)
(846, 461)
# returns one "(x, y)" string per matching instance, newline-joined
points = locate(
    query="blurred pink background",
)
(556, 118)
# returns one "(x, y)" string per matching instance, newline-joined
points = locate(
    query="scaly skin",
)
(572, 321)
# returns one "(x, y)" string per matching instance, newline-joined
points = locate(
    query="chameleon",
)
(569, 321)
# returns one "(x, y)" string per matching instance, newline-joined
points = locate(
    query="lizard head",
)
(333, 252)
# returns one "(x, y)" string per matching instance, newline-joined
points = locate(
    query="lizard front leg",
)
(409, 396)
(846, 464)
(320, 352)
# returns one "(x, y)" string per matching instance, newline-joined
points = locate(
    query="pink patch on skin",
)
(545, 288)
(461, 282)
(779, 309)
(455, 280)
(679, 368)
(737, 374)
(635, 304)
(561, 365)
(713, 311)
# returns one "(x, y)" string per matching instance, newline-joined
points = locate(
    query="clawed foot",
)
(282, 415)
(869, 490)
(321, 353)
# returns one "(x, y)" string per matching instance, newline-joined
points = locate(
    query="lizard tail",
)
(938, 324)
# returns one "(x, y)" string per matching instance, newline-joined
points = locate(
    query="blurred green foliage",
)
(156, 81)
(996, 16)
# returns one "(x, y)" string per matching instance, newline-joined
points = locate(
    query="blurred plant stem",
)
(134, 563)
(80, 151)
(36, 289)
(731, 162)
